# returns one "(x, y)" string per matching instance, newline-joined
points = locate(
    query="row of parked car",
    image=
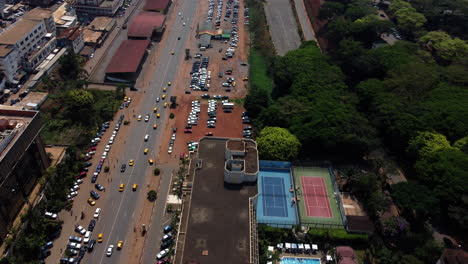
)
(167, 242)
(212, 107)
(246, 16)
(193, 117)
(201, 77)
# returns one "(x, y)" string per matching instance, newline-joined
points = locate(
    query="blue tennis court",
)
(274, 204)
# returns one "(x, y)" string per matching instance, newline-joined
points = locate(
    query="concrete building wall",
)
(20, 168)
(9, 64)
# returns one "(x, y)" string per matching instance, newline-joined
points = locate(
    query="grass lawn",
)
(258, 74)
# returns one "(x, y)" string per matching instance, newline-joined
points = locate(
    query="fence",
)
(270, 164)
(337, 194)
(253, 230)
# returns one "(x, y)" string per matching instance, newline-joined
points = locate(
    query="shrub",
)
(171, 116)
(126, 122)
(338, 236)
(152, 196)
(157, 171)
(106, 169)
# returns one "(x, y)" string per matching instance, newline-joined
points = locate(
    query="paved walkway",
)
(306, 25)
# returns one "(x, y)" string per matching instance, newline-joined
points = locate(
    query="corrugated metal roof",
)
(205, 40)
(156, 4)
(144, 23)
(128, 56)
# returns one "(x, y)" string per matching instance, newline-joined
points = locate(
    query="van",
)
(202, 48)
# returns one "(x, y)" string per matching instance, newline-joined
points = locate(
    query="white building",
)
(9, 62)
(98, 7)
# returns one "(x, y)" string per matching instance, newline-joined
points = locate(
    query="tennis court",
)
(317, 202)
(315, 197)
(274, 204)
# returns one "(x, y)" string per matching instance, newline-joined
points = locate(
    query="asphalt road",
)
(282, 25)
(118, 214)
(304, 20)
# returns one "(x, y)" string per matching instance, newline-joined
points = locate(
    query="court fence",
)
(271, 164)
(337, 194)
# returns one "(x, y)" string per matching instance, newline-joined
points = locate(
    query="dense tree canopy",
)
(275, 143)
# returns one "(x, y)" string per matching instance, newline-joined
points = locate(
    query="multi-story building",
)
(72, 38)
(97, 7)
(9, 61)
(27, 42)
(22, 160)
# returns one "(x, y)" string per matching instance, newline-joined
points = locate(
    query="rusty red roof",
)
(156, 5)
(144, 23)
(128, 56)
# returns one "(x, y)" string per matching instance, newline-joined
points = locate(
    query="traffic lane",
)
(153, 237)
(283, 28)
(306, 24)
(112, 212)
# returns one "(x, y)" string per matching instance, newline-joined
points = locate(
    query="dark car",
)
(94, 179)
(188, 92)
(91, 225)
(94, 194)
(99, 187)
(166, 244)
(91, 245)
(88, 164)
(123, 167)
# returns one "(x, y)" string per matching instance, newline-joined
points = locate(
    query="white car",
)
(79, 181)
(109, 250)
(111, 141)
(51, 215)
(183, 24)
(97, 212)
(157, 99)
(147, 117)
(80, 230)
(74, 245)
(107, 148)
(162, 254)
(114, 133)
(169, 150)
(75, 188)
(72, 194)
(104, 155)
(87, 237)
(146, 137)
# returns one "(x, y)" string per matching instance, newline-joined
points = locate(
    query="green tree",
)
(462, 144)
(152, 196)
(80, 105)
(275, 143)
(331, 9)
(409, 20)
(426, 143)
(70, 68)
(445, 47)
(411, 196)
(398, 4)
(256, 100)
(157, 171)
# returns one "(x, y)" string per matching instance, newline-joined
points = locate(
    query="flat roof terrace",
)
(218, 223)
(9, 136)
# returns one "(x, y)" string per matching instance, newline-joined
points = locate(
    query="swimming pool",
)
(300, 261)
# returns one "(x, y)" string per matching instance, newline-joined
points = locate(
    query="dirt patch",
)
(56, 154)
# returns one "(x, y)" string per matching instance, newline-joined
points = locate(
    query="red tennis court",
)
(316, 197)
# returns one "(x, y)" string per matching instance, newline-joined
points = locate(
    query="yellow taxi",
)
(125, 99)
(155, 110)
(121, 187)
(120, 245)
(91, 202)
(163, 96)
(155, 126)
(100, 238)
(150, 161)
(169, 83)
(245, 78)
(134, 187)
(139, 118)
(145, 151)
(164, 89)
(165, 105)
(131, 162)
(233, 84)
(158, 115)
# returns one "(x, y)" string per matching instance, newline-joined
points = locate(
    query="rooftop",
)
(212, 220)
(91, 36)
(12, 124)
(251, 160)
(38, 13)
(156, 4)
(18, 30)
(144, 23)
(101, 23)
(67, 33)
(128, 57)
(454, 256)
(4, 50)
